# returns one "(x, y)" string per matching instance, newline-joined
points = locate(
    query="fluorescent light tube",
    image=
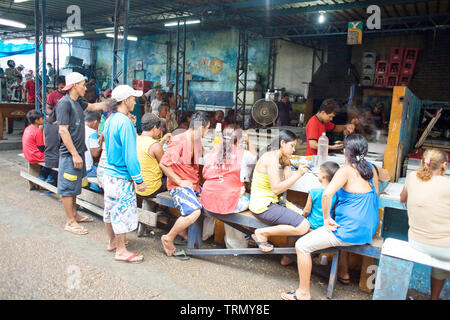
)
(175, 23)
(12, 23)
(72, 34)
(107, 30)
(120, 36)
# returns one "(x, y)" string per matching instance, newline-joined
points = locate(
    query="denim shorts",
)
(276, 215)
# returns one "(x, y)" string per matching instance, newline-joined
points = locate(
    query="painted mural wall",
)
(210, 59)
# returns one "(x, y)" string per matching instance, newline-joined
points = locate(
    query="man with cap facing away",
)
(122, 171)
(72, 166)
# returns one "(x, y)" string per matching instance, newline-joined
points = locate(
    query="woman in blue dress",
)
(356, 212)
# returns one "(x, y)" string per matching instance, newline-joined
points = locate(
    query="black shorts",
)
(276, 215)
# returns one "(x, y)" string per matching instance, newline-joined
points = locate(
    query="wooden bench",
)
(88, 199)
(245, 220)
(395, 269)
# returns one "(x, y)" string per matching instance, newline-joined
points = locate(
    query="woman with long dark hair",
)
(224, 173)
(267, 186)
(356, 212)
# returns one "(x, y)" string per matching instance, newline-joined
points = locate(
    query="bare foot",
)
(262, 242)
(112, 245)
(168, 246)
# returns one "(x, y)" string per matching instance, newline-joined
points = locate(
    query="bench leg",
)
(33, 169)
(195, 233)
(365, 275)
(392, 279)
(333, 275)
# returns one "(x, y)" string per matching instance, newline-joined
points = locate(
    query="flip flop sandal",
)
(292, 294)
(265, 243)
(129, 259)
(180, 255)
(345, 282)
(75, 230)
(85, 219)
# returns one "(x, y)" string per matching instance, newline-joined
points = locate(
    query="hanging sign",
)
(354, 32)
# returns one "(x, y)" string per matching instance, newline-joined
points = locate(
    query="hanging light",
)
(120, 36)
(322, 17)
(175, 23)
(12, 23)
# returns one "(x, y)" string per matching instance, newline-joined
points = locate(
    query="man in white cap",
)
(72, 166)
(121, 173)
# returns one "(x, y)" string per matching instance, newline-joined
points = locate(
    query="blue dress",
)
(357, 215)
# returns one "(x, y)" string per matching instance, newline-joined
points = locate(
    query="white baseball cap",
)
(123, 92)
(73, 78)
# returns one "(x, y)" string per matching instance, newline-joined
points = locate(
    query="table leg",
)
(1, 126)
(9, 125)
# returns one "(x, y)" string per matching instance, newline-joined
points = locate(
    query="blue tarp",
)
(10, 49)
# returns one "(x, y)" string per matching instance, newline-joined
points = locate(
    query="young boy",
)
(51, 152)
(91, 122)
(313, 207)
(33, 142)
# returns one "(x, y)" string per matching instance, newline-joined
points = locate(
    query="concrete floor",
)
(39, 260)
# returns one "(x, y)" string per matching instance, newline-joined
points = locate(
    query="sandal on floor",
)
(345, 282)
(180, 255)
(76, 230)
(130, 259)
(85, 219)
(262, 244)
(291, 294)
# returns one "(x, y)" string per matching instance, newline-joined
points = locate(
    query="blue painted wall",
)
(210, 56)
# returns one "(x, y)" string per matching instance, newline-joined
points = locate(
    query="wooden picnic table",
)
(13, 110)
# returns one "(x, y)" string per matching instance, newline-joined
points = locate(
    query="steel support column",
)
(125, 39)
(271, 64)
(241, 74)
(37, 43)
(180, 64)
(44, 62)
(115, 74)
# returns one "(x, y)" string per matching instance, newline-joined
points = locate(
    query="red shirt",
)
(31, 139)
(31, 89)
(53, 98)
(179, 157)
(314, 129)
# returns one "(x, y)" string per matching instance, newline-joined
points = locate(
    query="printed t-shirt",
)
(91, 140)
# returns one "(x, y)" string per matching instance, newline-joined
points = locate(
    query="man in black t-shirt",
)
(72, 168)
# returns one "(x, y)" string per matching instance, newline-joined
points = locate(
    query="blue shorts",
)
(186, 200)
(70, 179)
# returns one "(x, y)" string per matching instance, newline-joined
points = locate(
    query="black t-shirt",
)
(52, 141)
(283, 113)
(70, 112)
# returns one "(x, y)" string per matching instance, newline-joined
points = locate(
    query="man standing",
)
(151, 94)
(180, 165)
(55, 96)
(284, 110)
(320, 123)
(72, 166)
(122, 171)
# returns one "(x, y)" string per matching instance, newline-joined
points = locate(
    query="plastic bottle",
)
(322, 149)
(218, 135)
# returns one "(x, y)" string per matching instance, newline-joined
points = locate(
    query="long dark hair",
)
(231, 135)
(356, 148)
(283, 135)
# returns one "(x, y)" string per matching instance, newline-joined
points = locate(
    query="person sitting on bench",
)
(266, 186)
(224, 172)
(180, 165)
(427, 193)
(33, 142)
(51, 141)
(356, 213)
(93, 152)
(150, 152)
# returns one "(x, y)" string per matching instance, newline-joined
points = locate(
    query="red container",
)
(407, 68)
(394, 68)
(410, 55)
(403, 81)
(379, 81)
(382, 67)
(391, 81)
(396, 55)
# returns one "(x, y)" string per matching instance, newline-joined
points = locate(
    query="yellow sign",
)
(354, 32)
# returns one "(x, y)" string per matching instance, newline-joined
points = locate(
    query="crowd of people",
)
(102, 139)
